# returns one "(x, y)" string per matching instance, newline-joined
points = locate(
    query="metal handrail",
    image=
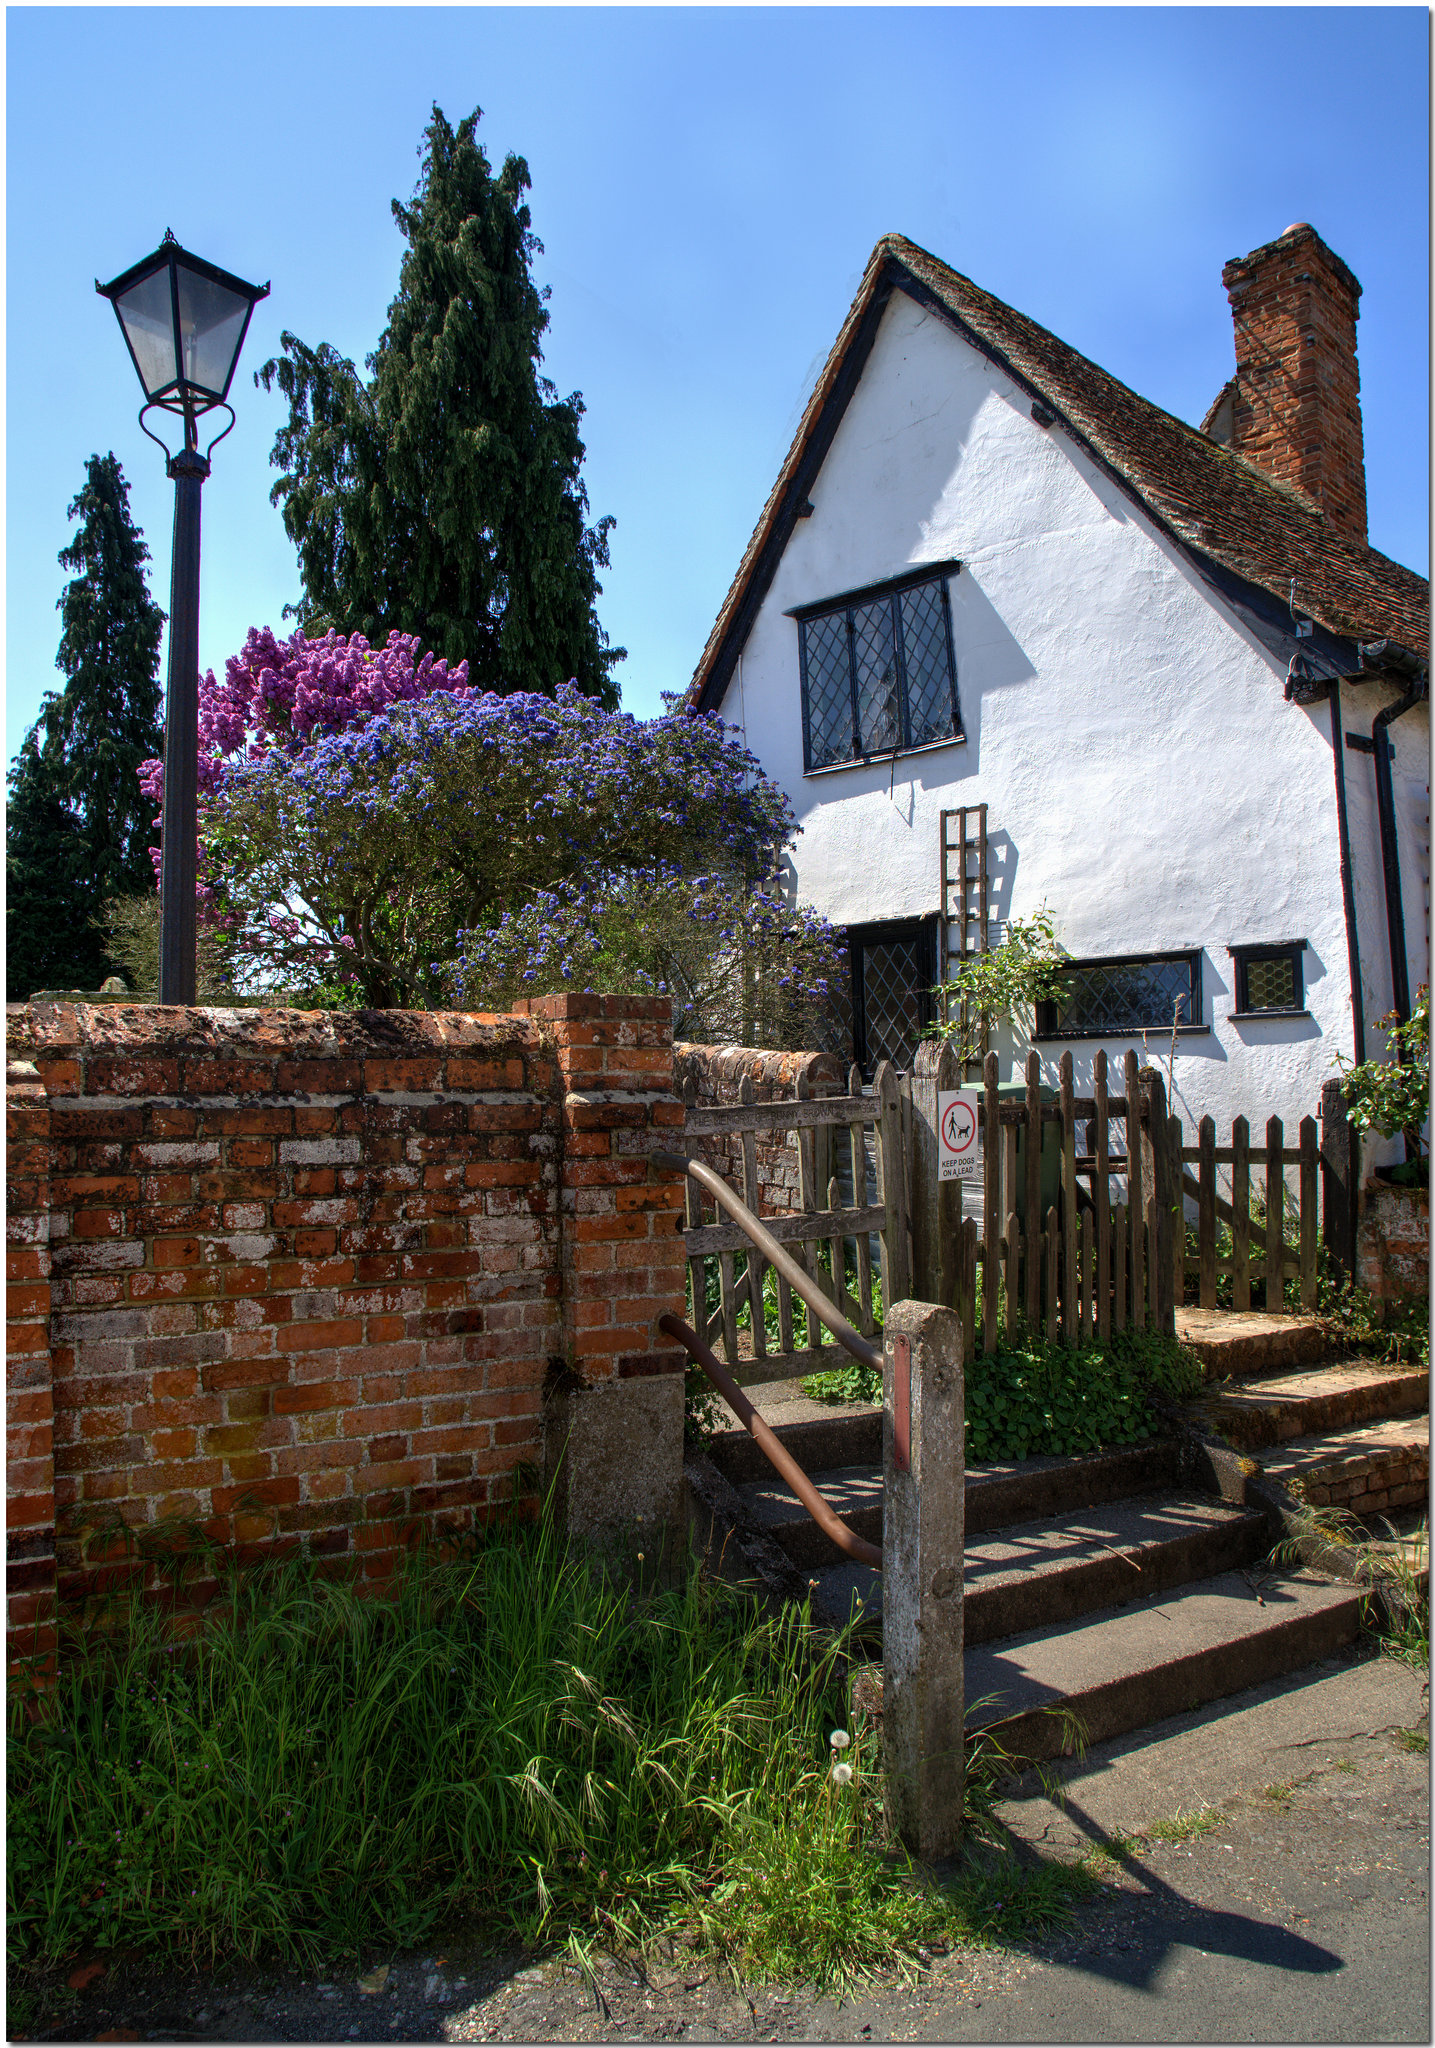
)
(827, 1519)
(801, 1283)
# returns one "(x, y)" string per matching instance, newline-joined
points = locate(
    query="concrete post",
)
(923, 1502)
(936, 1205)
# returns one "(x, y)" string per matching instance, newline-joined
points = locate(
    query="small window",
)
(1119, 998)
(1270, 980)
(878, 673)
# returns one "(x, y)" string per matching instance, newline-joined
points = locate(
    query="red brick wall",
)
(1297, 400)
(29, 1408)
(621, 1252)
(309, 1273)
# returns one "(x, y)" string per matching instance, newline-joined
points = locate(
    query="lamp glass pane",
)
(146, 314)
(211, 324)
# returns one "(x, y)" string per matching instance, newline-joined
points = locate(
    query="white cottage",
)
(998, 602)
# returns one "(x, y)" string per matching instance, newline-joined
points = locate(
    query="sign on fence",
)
(959, 1133)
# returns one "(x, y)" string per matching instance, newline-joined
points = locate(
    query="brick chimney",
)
(1294, 404)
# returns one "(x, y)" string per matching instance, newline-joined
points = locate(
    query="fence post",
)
(894, 1186)
(1031, 1212)
(1135, 1197)
(1309, 1160)
(923, 1505)
(1206, 1223)
(1275, 1216)
(1338, 1163)
(991, 1204)
(1068, 1204)
(1166, 1192)
(936, 1205)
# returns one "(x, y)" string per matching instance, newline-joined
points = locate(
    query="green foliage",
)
(78, 826)
(1026, 969)
(131, 939)
(515, 1737)
(1393, 1332)
(1393, 1095)
(443, 496)
(1029, 1398)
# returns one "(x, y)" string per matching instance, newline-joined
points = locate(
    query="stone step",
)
(1124, 1669)
(997, 1496)
(1331, 1397)
(1232, 1346)
(1376, 1470)
(819, 1437)
(1040, 1573)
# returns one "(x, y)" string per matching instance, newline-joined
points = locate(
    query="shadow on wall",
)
(989, 657)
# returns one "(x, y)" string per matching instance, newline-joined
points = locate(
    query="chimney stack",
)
(1294, 405)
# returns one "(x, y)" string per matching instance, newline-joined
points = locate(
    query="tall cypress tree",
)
(78, 828)
(443, 495)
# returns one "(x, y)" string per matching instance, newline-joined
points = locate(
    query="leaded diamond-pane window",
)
(878, 673)
(1118, 998)
(893, 969)
(1269, 978)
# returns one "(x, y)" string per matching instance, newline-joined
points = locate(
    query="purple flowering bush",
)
(376, 832)
(738, 962)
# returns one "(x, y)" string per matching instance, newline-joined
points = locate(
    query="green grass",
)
(513, 1742)
(1415, 1740)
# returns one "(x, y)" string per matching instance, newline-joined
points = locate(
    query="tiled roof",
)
(1215, 501)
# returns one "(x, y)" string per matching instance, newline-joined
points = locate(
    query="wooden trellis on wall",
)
(965, 928)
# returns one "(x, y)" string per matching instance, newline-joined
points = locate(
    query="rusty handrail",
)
(827, 1519)
(801, 1283)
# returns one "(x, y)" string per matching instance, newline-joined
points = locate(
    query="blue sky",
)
(708, 184)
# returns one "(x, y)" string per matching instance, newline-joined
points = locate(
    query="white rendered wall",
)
(1145, 778)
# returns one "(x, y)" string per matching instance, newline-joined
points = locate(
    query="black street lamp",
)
(183, 321)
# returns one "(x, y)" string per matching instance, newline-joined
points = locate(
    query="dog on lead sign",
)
(959, 1133)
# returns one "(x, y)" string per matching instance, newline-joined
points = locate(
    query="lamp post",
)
(184, 322)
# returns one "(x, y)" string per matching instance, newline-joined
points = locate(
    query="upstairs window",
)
(1121, 998)
(878, 673)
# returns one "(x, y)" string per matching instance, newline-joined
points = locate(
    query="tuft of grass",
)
(1415, 1740)
(1345, 1765)
(1280, 1795)
(512, 1736)
(1186, 1827)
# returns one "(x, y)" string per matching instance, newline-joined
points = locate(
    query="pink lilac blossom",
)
(284, 694)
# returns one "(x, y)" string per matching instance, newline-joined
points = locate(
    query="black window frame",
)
(848, 602)
(1046, 1025)
(1276, 949)
(890, 931)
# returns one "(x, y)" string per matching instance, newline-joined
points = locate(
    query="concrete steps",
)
(1162, 1656)
(1379, 1469)
(1111, 1585)
(1330, 1398)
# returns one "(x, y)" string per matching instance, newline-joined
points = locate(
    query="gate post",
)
(936, 1205)
(1170, 1209)
(1339, 1154)
(923, 1504)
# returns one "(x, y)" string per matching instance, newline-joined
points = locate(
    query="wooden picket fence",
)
(1110, 1253)
(1259, 1248)
(1099, 1258)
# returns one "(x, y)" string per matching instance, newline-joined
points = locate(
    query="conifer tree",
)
(442, 495)
(78, 825)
